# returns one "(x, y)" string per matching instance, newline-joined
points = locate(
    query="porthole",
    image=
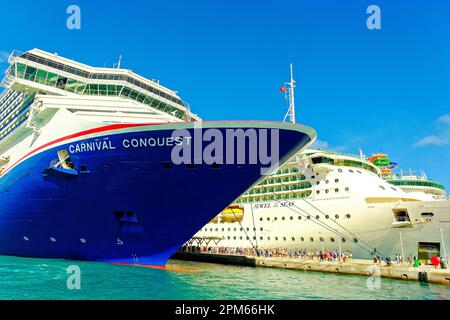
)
(254, 238)
(348, 216)
(293, 238)
(275, 218)
(223, 229)
(260, 238)
(311, 239)
(276, 238)
(234, 238)
(299, 218)
(228, 237)
(303, 239)
(268, 238)
(327, 216)
(248, 229)
(308, 217)
(358, 171)
(317, 217)
(336, 216)
(284, 238)
(260, 219)
(218, 230)
(291, 218)
(240, 238)
(327, 181)
(254, 229)
(229, 229)
(318, 191)
(261, 229)
(355, 240)
(282, 218)
(321, 239)
(268, 219)
(332, 239)
(347, 189)
(318, 182)
(350, 170)
(336, 180)
(326, 190)
(336, 190)
(234, 229)
(344, 240)
(339, 170)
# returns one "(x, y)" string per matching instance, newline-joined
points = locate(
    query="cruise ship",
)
(332, 201)
(87, 167)
(325, 200)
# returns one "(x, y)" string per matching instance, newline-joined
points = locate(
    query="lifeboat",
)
(234, 213)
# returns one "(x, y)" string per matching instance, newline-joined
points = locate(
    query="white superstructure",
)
(331, 201)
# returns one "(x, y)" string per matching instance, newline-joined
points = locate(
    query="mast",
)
(291, 98)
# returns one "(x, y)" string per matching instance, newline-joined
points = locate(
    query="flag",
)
(283, 89)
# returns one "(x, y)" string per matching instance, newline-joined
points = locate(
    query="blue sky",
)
(382, 90)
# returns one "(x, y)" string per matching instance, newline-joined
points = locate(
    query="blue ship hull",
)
(121, 204)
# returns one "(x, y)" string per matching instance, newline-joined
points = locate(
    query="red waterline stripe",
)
(79, 134)
(151, 266)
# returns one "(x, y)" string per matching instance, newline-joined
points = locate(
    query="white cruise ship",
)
(323, 200)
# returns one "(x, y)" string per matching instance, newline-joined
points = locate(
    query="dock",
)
(353, 267)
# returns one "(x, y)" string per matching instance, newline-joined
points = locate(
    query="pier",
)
(353, 267)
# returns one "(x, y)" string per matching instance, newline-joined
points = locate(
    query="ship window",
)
(275, 218)
(344, 240)
(268, 219)
(303, 239)
(261, 229)
(348, 216)
(318, 182)
(260, 238)
(260, 219)
(332, 239)
(327, 217)
(311, 239)
(318, 191)
(336, 190)
(382, 188)
(228, 237)
(240, 238)
(327, 181)
(347, 189)
(336, 180)
(326, 190)
(313, 177)
(317, 217)
(291, 218)
(355, 240)
(321, 239)
(358, 171)
(336, 216)
(268, 238)
(248, 229)
(234, 238)
(282, 218)
(276, 238)
(299, 218)
(339, 170)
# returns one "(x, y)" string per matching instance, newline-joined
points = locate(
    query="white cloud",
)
(442, 138)
(445, 118)
(322, 144)
(432, 140)
(3, 56)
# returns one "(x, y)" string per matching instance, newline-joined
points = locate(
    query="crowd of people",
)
(321, 255)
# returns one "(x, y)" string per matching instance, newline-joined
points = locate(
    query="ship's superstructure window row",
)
(417, 183)
(102, 76)
(112, 88)
(344, 163)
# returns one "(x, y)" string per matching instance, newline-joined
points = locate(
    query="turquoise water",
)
(25, 278)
